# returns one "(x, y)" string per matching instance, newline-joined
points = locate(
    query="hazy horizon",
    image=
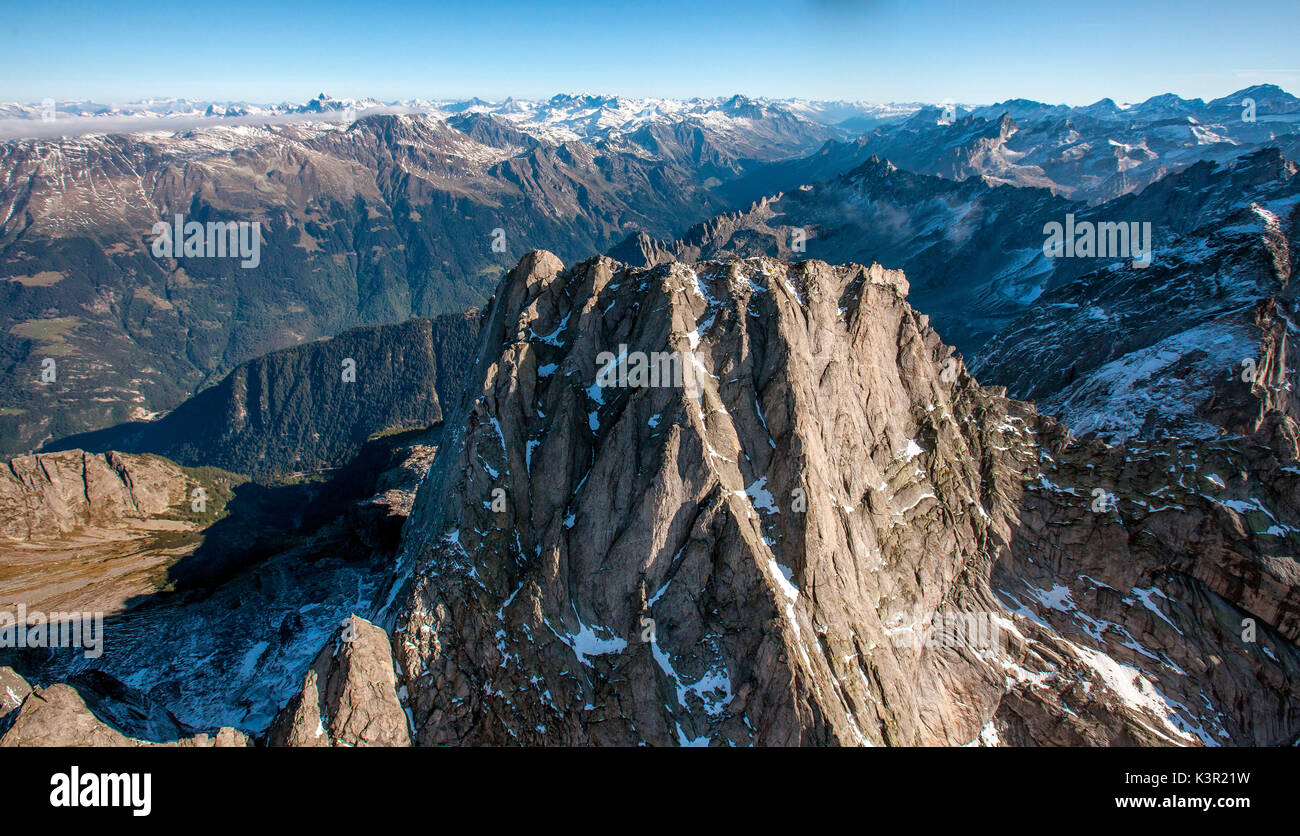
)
(817, 49)
(602, 93)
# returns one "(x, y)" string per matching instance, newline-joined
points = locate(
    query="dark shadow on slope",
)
(300, 536)
(264, 520)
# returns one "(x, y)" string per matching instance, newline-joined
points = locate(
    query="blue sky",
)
(976, 52)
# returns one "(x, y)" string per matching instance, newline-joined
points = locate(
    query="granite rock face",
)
(13, 690)
(826, 532)
(349, 696)
(760, 503)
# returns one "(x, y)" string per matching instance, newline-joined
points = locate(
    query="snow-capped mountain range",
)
(561, 118)
(575, 174)
(572, 116)
(1091, 153)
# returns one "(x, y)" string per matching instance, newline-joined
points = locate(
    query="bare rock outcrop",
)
(58, 716)
(48, 494)
(89, 532)
(13, 690)
(349, 695)
(235, 655)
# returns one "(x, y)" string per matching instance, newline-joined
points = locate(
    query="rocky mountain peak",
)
(720, 453)
(760, 552)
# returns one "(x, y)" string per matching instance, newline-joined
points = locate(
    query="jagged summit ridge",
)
(582, 552)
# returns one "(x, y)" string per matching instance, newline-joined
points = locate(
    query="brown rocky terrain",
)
(85, 531)
(58, 716)
(45, 495)
(837, 538)
(207, 652)
(349, 695)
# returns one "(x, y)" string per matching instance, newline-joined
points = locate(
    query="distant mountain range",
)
(1091, 153)
(562, 117)
(375, 218)
(374, 221)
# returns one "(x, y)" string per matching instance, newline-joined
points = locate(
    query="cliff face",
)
(311, 407)
(806, 524)
(829, 534)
